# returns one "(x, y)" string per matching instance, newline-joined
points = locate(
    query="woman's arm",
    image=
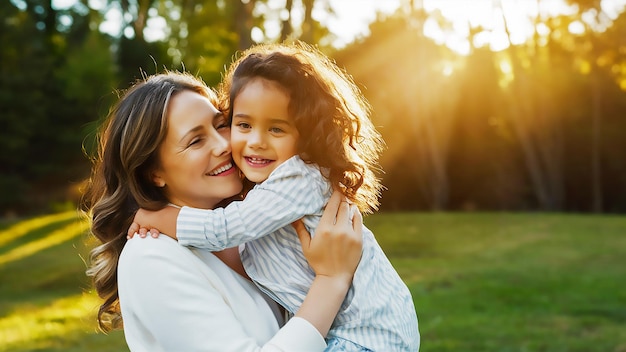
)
(334, 254)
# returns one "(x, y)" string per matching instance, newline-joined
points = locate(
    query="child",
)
(299, 129)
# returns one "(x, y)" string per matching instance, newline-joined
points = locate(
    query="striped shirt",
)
(378, 311)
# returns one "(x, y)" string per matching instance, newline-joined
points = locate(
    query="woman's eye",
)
(221, 123)
(222, 126)
(195, 141)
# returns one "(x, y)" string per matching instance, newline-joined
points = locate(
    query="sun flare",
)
(502, 22)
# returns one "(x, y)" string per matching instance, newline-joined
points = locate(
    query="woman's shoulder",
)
(148, 246)
(148, 254)
(165, 255)
(160, 262)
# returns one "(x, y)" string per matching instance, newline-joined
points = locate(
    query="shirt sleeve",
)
(297, 335)
(167, 300)
(291, 192)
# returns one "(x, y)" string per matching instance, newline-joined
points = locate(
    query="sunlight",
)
(584, 66)
(352, 17)
(576, 27)
(448, 69)
(507, 75)
(62, 317)
(486, 15)
(22, 228)
(56, 237)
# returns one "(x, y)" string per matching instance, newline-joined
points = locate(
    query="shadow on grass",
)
(44, 300)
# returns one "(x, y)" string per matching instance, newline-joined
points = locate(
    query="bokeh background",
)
(484, 104)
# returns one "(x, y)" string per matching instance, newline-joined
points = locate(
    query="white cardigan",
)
(175, 298)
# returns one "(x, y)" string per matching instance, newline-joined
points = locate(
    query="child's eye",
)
(276, 130)
(243, 125)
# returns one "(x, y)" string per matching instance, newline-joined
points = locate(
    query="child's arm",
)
(290, 193)
(160, 221)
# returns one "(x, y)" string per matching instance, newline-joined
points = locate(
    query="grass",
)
(480, 281)
(512, 282)
(45, 300)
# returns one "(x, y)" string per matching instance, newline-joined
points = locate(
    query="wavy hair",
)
(329, 111)
(120, 182)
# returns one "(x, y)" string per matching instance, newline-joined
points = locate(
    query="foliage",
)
(50, 88)
(528, 127)
(536, 125)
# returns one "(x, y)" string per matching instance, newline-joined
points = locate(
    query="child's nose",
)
(256, 140)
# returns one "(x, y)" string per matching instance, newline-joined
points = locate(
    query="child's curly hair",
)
(329, 111)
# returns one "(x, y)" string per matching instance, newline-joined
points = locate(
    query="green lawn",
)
(480, 281)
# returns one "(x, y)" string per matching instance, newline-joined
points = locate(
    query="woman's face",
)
(195, 166)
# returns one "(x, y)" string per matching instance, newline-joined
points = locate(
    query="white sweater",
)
(175, 298)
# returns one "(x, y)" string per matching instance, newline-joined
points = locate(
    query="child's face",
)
(263, 134)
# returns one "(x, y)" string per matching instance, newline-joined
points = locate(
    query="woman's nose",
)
(221, 145)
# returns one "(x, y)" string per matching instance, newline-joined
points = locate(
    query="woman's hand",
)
(335, 250)
(334, 254)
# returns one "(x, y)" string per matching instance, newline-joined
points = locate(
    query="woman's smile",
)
(223, 170)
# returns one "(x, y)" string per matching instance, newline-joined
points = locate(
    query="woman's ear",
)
(157, 179)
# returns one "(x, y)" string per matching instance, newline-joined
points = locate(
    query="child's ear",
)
(157, 179)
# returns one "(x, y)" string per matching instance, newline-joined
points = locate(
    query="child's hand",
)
(136, 229)
(154, 222)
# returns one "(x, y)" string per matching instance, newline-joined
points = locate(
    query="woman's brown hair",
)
(120, 183)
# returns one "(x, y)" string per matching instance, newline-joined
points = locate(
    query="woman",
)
(166, 144)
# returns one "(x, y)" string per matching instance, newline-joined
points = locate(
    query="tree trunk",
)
(308, 25)
(596, 142)
(243, 23)
(286, 28)
(530, 120)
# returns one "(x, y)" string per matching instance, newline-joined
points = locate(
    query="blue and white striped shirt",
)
(378, 311)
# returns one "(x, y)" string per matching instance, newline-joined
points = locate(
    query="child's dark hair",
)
(329, 111)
